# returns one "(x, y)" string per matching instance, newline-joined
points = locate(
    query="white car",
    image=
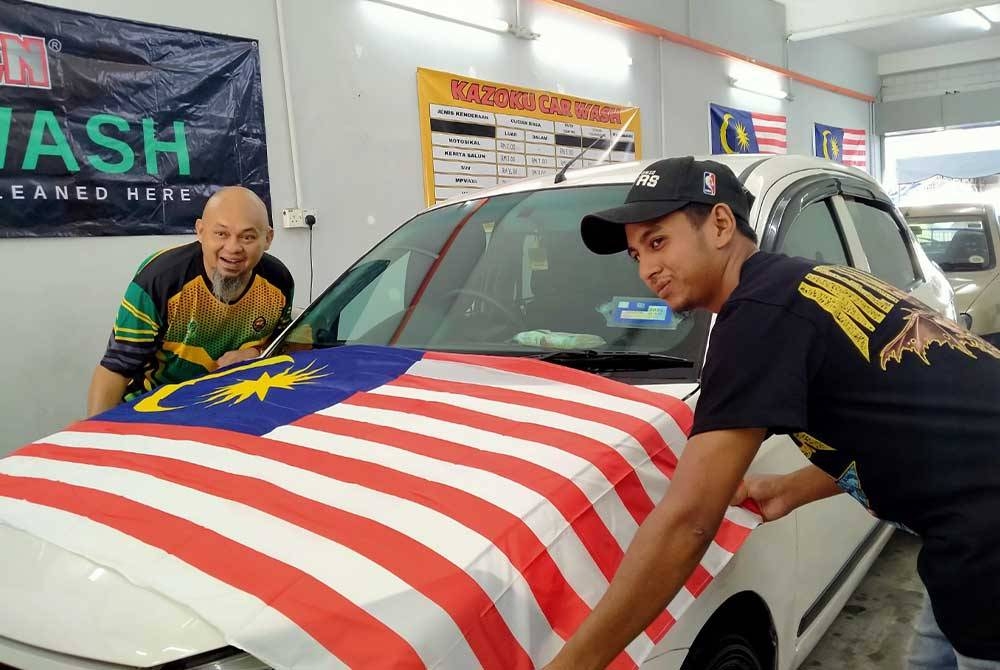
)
(504, 272)
(962, 238)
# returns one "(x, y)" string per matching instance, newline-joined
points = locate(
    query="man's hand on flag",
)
(777, 495)
(768, 492)
(238, 356)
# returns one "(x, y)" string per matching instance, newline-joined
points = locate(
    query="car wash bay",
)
(906, 90)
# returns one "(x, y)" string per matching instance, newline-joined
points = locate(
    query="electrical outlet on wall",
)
(295, 217)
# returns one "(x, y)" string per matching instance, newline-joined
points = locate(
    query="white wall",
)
(353, 81)
(937, 81)
(835, 61)
(940, 97)
(950, 96)
(61, 295)
(352, 77)
(354, 88)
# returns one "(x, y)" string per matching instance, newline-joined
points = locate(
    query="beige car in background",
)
(962, 238)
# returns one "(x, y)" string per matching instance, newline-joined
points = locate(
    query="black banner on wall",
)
(112, 127)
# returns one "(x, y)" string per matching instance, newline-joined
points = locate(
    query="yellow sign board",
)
(478, 134)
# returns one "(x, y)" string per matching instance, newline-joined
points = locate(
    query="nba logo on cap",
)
(709, 185)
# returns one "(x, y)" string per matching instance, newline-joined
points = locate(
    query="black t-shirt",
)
(897, 403)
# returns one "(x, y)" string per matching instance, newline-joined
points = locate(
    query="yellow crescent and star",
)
(239, 390)
(830, 147)
(742, 136)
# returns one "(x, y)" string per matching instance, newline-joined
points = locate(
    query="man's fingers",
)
(740, 495)
(237, 356)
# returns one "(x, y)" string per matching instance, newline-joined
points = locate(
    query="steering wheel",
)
(513, 317)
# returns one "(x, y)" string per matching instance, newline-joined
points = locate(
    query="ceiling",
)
(905, 34)
(916, 33)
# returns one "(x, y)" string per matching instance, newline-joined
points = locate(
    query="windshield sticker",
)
(627, 312)
(538, 259)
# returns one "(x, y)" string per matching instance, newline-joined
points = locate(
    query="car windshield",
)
(956, 243)
(504, 275)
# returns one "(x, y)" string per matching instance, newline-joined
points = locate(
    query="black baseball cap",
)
(661, 188)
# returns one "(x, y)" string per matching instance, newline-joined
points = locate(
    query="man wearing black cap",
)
(892, 404)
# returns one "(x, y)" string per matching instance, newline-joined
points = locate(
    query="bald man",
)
(197, 307)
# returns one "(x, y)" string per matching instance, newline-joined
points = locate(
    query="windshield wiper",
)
(591, 359)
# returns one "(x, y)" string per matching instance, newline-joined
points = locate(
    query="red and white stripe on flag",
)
(855, 149)
(771, 131)
(469, 513)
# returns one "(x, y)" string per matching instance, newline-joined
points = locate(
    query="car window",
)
(884, 243)
(507, 274)
(376, 302)
(956, 243)
(814, 234)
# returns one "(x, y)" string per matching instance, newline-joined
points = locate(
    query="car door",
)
(808, 220)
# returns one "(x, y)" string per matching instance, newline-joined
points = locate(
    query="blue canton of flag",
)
(732, 131)
(257, 397)
(828, 142)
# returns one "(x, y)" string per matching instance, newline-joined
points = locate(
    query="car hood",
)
(60, 601)
(968, 287)
(83, 598)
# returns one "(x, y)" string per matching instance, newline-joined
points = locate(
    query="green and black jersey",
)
(171, 328)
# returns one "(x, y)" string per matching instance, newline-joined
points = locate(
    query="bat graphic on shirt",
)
(922, 328)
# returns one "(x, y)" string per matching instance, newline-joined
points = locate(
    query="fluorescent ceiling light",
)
(457, 13)
(974, 19)
(762, 89)
(991, 12)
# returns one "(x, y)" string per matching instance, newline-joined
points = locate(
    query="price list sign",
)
(478, 134)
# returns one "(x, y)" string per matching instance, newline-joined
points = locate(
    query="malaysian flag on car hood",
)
(371, 507)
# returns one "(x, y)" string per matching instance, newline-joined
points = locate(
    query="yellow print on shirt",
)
(857, 302)
(809, 445)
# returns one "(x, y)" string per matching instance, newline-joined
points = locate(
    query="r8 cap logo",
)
(647, 178)
(24, 61)
(709, 183)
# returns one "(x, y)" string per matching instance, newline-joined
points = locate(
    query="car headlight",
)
(966, 320)
(946, 294)
(228, 658)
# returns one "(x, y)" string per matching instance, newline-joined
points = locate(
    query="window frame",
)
(865, 196)
(837, 189)
(796, 198)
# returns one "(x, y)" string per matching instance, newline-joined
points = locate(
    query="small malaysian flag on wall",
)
(844, 145)
(738, 131)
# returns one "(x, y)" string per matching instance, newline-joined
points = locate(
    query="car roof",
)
(774, 166)
(967, 208)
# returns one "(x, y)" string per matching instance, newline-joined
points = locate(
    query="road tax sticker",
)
(641, 313)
